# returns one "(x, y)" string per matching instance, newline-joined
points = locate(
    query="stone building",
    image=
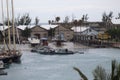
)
(39, 32)
(66, 33)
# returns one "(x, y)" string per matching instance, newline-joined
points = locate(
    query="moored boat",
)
(1, 68)
(57, 52)
(16, 55)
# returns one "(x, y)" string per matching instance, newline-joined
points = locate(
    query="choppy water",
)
(45, 67)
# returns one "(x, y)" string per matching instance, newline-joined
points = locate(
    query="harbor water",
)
(35, 66)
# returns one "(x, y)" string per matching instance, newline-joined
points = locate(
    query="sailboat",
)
(4, 56)
(10, 55)
(16, 53)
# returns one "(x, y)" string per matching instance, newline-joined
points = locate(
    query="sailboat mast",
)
(13, 25)
(3, 22)
(8, 23)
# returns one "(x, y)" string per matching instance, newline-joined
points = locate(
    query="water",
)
(35, 66)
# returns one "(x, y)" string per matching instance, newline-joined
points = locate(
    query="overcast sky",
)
(48, 9)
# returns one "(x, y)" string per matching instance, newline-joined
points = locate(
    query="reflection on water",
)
(35, 66)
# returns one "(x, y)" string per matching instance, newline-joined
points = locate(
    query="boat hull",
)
(13, 57)
(57, 53)
(6, 59)
(16, 58)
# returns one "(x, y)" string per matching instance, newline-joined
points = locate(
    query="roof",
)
(47, 27)
(79, 28)
(99, 29)
(3, 28)
(63, 27)
(22, 27)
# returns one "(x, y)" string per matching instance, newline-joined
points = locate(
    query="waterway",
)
(35, 66)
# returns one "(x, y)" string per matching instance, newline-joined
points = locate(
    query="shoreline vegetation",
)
(100, 73)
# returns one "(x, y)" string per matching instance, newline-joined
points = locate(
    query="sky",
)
(49, 9)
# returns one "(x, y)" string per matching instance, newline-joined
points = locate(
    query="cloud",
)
(63, 7)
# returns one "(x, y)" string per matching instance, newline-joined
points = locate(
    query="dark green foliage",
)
(57, 19)
(66, 19)
(36, 21)
(25, 19)
(6, 22)
(107, 18)
(115, 74)
(114, 33)
(118, 17)
(75, 22)
(26, 33)
(99, 73)
(80, 73)
(1, 35)
(51, 32)
(84, 17)
(49, 22)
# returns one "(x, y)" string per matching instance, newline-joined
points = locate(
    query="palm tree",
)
(49, 22)
(100, 74)
(80, 73)
(36, 21)
(66, 19)
(57, 19)
(107, 19)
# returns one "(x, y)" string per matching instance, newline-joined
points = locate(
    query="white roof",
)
(87, 32)
(79, 28)
(47, 27)
(3, 28)
(22, 27)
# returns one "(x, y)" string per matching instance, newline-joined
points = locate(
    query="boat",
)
(1, 68)
(34, 41)
(57, 52)
(5, 58)
(3, 72)
(1, 65)
(16, 55)
(8, 55)
(40, 48)
(51, 51)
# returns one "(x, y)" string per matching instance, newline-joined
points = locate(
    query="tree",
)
(75, 22)
(25, 19)
(6, 22)
(114, 33)
(118, 17)
(107, 19)
(26, 32)
(36, 21)
(53, 21)
(80, 73)
(84, 18)
(66, 19)
(80, 22)
(49, 22)
(51, 32)
(100, 74)
(57, 19)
